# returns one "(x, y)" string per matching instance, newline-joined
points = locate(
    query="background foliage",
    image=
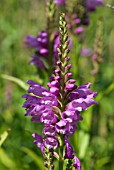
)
(94, 140)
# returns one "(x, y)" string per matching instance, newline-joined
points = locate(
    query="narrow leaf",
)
(15, 80)
(3, 136)
(6, 160)
(37, 159)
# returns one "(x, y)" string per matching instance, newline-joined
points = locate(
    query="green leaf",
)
(101, 162)
(109, 89)
(4, 136)
(37, 159)
(15, 80)
(83, 143)
(5, 160)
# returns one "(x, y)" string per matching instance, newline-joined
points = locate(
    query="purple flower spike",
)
(76, 163)
(58, 108)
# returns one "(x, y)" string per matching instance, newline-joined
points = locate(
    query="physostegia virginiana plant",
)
(58, 108)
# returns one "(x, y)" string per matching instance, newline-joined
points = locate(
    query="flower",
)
(51, 143)
(59, 2)
(76, 163)
(78, 30)
(38, 141)
(49, 130)
(37, 62)
(40, 105)
(31, 41)
(69, 152)
(40, 45)
(86, 52)
(92, 4)
(62, 126)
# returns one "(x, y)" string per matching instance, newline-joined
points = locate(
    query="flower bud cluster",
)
(97, 56)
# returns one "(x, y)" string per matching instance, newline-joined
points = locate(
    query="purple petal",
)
(35, 88)
(37, 62)
(31, 41)
(49, 130)
(48, 117)
(76, 163)
(69, 152)
(51, 143)
(38, 141)
(62, 127)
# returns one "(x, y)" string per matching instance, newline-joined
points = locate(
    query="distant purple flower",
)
(86, 52)
(40, 45)
(59, 2)
(78, 30)
(31, 41)
(92, 4)
(37, 62)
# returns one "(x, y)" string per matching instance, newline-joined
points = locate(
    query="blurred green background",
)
(19, 18)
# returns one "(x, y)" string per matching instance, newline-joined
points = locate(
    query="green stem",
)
(61, 152)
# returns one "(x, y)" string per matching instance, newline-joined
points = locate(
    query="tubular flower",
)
(58, 108)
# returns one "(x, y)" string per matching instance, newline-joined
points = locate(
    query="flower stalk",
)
(58, 108)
